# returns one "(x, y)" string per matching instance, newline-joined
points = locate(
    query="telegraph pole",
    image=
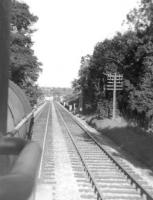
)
(114, 83)
(114, 98)
(81, 101)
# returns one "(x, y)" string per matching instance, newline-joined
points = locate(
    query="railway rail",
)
(107, 176)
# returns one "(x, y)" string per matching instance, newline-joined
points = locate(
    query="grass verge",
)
(133, 140)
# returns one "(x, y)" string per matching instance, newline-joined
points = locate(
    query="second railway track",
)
(107, 177)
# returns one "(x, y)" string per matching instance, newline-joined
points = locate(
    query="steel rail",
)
(44, 141)
(90, 175)
(143, 192)
(129, 177)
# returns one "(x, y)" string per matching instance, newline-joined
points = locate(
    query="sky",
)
(69, 29)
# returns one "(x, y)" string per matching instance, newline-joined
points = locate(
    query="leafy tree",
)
(141, 18)
(83, 84)
(76, 86)
(139, 72)
(34, 93)
(21, 18)
(24, 65)
(130, 54)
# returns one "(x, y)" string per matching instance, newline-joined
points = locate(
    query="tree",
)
(83, 84)
(24, 65)
(141, 18)
(21, 18)
(130, 54)
(139, 101)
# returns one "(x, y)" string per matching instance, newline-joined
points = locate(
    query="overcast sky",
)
(69, 29)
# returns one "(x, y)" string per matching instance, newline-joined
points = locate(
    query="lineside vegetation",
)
(24, 65)
(134, 51)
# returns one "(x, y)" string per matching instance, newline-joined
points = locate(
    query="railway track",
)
(107, 177)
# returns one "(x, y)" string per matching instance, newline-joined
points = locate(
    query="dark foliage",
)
(24, 65)
(130, 54)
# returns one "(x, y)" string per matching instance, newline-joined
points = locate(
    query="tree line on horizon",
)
(132, 52)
